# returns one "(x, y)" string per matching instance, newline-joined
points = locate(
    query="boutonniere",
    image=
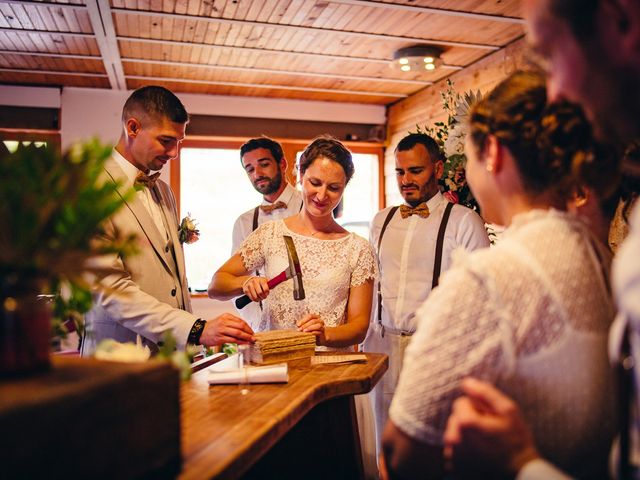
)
(188, 233)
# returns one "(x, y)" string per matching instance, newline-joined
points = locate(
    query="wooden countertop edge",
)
(200, 465)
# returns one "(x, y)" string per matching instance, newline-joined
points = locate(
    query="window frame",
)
(289, 146)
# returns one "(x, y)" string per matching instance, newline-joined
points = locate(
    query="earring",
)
(489, 167)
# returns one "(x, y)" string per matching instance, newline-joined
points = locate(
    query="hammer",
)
(292, 271)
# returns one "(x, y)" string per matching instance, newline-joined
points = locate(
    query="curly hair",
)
(328, 147)
(552, 145)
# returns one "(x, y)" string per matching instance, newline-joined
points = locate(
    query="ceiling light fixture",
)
(417, 58)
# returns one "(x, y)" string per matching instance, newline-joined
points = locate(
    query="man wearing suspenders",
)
(413, 243)
(264, 163)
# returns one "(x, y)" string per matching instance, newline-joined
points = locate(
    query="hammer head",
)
(294, 268)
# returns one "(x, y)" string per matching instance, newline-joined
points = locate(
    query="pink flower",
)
(451, 197)
(192, 236)
(460, 177)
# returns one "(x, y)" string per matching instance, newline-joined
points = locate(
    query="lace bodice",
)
(329, 269)
(531, 316)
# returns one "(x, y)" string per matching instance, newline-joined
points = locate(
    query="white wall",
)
(43, 97)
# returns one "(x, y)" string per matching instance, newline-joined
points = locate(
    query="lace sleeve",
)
(459, 334)
(252, 249)
(365, 268)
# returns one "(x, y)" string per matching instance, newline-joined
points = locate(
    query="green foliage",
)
(229, 348)
(450, 138)
(52, 207)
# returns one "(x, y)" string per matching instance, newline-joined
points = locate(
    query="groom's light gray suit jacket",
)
(143, 294)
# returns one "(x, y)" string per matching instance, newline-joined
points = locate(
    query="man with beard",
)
(591, 52)
(264, 163)
(413, 243)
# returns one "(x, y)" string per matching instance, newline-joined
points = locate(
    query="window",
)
(211, 186)
(214, 191)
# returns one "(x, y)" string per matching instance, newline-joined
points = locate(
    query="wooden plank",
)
(288, 12)
(23, 16)
(9, 16)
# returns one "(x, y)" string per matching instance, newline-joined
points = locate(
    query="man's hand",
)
(226, 328)
(486, 435)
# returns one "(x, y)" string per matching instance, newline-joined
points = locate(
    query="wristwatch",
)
(196, 332)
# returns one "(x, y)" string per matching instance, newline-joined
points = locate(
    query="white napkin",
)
(228, 372)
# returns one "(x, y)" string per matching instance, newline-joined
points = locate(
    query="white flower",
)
(454, 144)
(109, 349)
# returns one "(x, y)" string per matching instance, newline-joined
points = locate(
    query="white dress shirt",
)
(407, 254)
(244, 223)
(144, 194)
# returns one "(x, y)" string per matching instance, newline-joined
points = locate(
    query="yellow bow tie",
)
(144, 180)
(273, 206)
(421, 210)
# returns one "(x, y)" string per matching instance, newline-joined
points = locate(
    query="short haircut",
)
(413, 139)
(157, 102)
(580, 15)
(263, 142)
(328, 147)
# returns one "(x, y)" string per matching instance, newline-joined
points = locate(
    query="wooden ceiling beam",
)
(431, 10)
(53, 72)
(276, 72)
(324, 56)
(23, 31)
(62, 6)
(360, 3)
(267, 86)
(74, 56)
(105, 34)
(300, 28)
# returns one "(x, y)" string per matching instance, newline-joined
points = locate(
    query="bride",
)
(338, 267)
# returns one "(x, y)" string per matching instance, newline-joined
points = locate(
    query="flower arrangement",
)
(188, 231)
(52, 206)
(450, 136)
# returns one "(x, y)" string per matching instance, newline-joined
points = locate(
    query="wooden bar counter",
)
(302, 429)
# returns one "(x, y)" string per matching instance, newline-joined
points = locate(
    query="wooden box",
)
(90, 419)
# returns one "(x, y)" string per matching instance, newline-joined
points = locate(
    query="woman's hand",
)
(256, 288)
(313, 324)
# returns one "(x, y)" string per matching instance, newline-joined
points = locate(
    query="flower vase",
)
(25, 329)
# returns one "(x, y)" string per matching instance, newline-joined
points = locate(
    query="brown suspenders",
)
(437, 263)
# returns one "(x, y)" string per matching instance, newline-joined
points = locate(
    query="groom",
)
(146, 294)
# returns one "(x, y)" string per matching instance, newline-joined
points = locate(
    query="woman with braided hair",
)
(532, 314)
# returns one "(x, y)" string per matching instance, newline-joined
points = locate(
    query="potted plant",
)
(51, 208)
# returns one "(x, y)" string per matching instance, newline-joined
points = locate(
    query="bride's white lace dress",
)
(329, 269)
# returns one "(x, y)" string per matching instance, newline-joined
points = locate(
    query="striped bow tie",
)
(144, 180)
(273, 206)
(421, 210)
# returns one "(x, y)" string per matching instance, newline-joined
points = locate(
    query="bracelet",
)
(196, 332)
(247, 280)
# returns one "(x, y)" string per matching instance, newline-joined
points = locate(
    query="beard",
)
(271, 186)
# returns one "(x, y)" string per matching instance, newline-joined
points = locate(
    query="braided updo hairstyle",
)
(552, 145)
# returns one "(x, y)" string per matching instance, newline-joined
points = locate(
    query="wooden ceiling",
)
(335, 50)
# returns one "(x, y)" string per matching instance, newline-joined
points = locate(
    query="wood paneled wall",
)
(425, 107)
